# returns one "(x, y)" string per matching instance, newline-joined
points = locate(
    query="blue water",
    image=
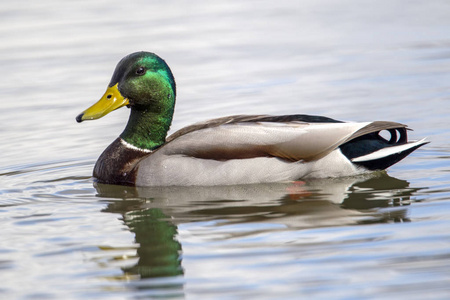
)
(384, 236)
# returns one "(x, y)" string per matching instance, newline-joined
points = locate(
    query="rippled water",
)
(380, 236)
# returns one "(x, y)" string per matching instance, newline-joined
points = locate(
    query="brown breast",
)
(118, 164)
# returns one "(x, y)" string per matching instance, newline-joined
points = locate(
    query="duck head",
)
(143, 82)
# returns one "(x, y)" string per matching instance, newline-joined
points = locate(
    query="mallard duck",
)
(240, 149)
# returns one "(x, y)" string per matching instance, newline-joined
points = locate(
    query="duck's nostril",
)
(109, 96)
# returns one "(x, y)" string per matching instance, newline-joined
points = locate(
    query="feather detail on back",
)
(285, 137)
(251, 118)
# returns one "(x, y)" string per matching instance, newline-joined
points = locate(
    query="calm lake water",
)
(385, 236)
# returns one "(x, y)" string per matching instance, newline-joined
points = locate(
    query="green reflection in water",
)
(159, 251)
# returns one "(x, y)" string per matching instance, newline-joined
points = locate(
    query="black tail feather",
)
(373, 142)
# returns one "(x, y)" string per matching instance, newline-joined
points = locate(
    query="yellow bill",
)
(111, 100)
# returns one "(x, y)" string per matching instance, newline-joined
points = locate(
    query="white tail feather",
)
(388, 151)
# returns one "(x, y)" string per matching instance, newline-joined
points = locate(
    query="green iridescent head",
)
(142, 77)
(142, 81)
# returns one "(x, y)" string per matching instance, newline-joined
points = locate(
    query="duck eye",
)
(140, 71)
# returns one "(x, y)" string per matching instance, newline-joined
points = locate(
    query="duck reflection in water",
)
(153, 214)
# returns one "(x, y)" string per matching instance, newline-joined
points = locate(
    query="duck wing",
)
(292, 137)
